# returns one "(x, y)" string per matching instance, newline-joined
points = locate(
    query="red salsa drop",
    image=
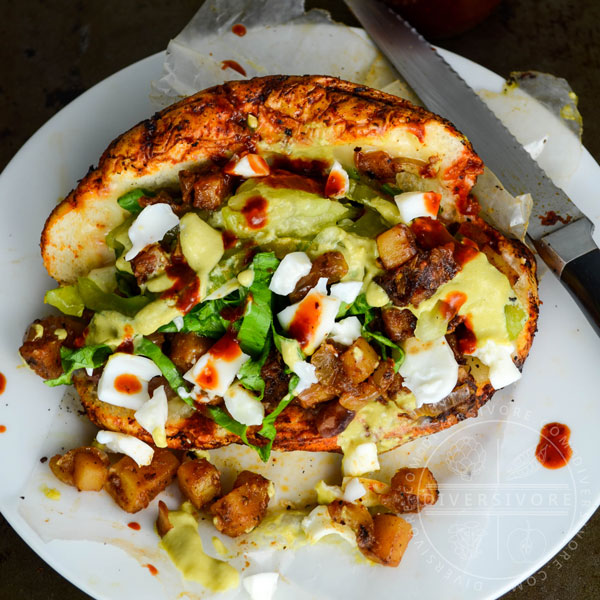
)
(2, 383)
(134, 525)
(153, 570)
(336, 184)
(467, 342)
(186, 286)
(229, 239)
(255, 212)
(553, 450)
(451, 304)
(2, 428)
(232, 64)
(239, 29)
(306, 320)
(128, 384)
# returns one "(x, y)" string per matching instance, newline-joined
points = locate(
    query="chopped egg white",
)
(346, 291)
(150, 227)
(360, 459)
(215, 371)
(141, 452)
(373, 490)
(178, 322)
(354, 490)
(307, 374)
(338, 182)
(429, 369)
(243, 406)
(291, 269)
(227, 288)
(250, 165)
(153, 416)
(124, 381)
(318, 524)
(310, 320)
(261, 586)
(498, 358)
(417, 204)
(346, 331)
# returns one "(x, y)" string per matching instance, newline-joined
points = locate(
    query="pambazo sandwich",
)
(289, 262)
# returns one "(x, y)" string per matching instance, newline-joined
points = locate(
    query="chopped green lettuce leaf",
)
(250, 373)
(258, 316)
(130, 200)
(67, 299)
(144, 347)
(117, 239)
(88, 357)
(360, 307)
(268, 430)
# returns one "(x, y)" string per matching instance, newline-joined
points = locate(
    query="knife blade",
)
(560, 232)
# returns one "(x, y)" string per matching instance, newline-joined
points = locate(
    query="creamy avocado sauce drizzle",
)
(184, 546)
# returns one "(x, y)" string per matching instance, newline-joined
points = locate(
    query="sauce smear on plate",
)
(553, 450)
(2, 383)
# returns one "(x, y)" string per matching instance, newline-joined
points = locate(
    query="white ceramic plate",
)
(500, 516)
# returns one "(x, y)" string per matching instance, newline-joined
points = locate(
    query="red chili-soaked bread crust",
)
(294, 115)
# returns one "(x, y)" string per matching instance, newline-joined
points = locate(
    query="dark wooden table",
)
(54, 50)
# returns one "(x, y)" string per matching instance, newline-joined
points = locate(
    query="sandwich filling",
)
(269, 281)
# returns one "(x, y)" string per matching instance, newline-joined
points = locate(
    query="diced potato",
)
(244, 507)
(86, 468)
(391, 537)
(133, 487)
(200, 481)
(357, 517)
(360, 360)
(411, 489)
(384, 374)
(163, 524)
(396, 246)
(90, 471)
(355, 399)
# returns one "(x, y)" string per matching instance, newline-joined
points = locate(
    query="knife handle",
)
(582, 279)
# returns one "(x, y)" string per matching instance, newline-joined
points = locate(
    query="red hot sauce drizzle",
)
(553, 450)
(134, 525)
(2, 383)
(451, 304)
(128, 384)
(2, 428)
(255, 212)
(229, 239)
(186, 286)
(336, 184)
(232, 64)
(466, 340)
(153, 570)
(239, 29)
(306, 320)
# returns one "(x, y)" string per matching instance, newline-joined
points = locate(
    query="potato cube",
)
(90, 471)
(360, 360)
(163, 523)
(357, 517)
(411, 489)
(133, 487)
(391, 537)
(244, 507)
(200, 481)
(396, 246)
(86, 468)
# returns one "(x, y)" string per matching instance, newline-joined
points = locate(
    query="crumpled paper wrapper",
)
(280, 38)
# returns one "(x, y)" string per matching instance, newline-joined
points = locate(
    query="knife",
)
(564, 241)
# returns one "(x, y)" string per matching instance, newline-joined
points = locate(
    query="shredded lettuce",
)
(258, 316)
(250, 373)
(130, 200)
(360, 307)
(267, 431)
(88, 357)
(144, 347)
(72, 299)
